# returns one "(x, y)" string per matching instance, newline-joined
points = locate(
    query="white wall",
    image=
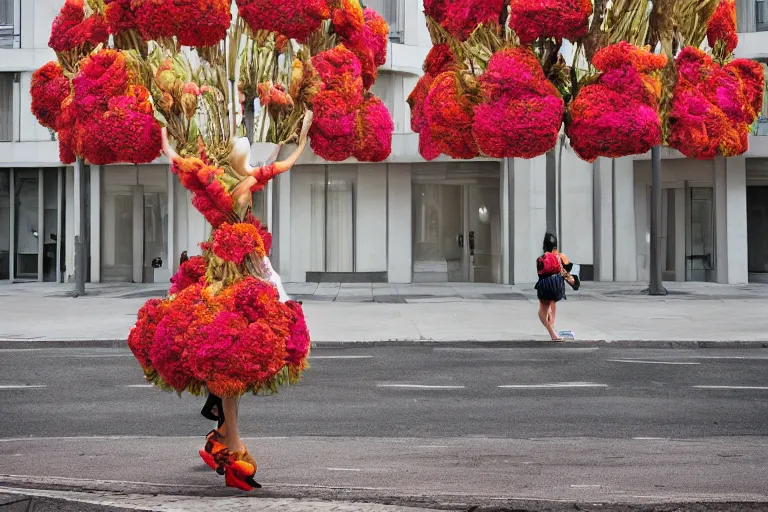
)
(576, 216)
(371, 227)
(400, 248)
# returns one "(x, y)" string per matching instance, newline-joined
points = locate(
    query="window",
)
(6, 107)
(760, 15)
(332, 207)
(392, 11)
(7, 36)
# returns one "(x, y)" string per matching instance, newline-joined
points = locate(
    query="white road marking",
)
(755, 358)
(417, 386)
(555, 385)
(641, 361)
(506, 349)
(340, 357)
(21, 386)
(732, 387)
(651, 438)
(585, 486)
(20, 349)
(344, 469)
(140, 386)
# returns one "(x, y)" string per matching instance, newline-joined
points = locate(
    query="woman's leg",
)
(232, 434)
(552, 313)
(544, 309)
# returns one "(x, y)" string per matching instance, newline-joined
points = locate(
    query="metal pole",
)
(655, 286)
(81, 258)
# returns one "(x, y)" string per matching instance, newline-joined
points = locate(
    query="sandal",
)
(240, 470)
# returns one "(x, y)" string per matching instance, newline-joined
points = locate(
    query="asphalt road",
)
(448, 424)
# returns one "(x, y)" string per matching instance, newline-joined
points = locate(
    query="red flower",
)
(378, 40)
(298, 342)
(333, 131)
(450, 115)
(202, 22)
(130, 128)
(618, 115)
(49, 89)
(713, 106)
(190, 272)
(374, 131)
(143, 333)
(524, 112)
(416, 101)
(439, 59)
(274, 98)
(234, 242)
(561, 19)
(347, 18)
(461, 17)
(210, 196)
(722, 26)
(120, 16)
(340, 71)
(266, 236)
(295, 20)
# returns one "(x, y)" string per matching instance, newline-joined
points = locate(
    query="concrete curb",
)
(16, 344)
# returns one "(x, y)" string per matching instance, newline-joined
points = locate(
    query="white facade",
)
(400, 221)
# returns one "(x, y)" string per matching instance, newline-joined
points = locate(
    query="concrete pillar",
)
(12, 232)
(95, 223)
(138, 233)
(576, 216)
(371, 218)
(40, 224)
(173, 258)
(399, 224)
(681, 222)
(603, 219)
(506, 215)
(624, 237)
(731, 220)
(281, 227)
(70, 223)
(528, 216)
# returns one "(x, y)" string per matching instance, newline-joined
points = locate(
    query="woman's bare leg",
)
(544, 308)
(552, 314)
(231, 433)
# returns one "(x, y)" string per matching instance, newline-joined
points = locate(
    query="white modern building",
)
(404, 220)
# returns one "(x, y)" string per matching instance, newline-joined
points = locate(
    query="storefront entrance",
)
(456, 226)
(31, 222)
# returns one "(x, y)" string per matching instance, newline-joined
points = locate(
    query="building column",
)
(138, 233)
(281, 224)
(624, 238)
(95, 191)
(12, 232)
(173, 261)
(527, 185)
(680, 226)
(399, 224)
(40, 225)
(603, 219)
(731, 220)
(70, 225)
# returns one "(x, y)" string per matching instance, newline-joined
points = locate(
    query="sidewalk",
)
(609, 312)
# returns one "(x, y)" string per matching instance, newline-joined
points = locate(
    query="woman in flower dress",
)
(227, 326)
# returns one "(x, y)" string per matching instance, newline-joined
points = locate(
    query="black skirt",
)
(551, 288)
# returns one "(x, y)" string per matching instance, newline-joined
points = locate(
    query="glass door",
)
(439, 238)
(484, 230)
(27, 229)
(701, 229)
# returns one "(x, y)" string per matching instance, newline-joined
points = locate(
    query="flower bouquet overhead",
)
(496, 83)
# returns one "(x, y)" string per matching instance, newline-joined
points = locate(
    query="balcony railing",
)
(9, 37)
(392, 10)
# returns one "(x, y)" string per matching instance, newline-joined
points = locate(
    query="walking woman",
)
(550, 288)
